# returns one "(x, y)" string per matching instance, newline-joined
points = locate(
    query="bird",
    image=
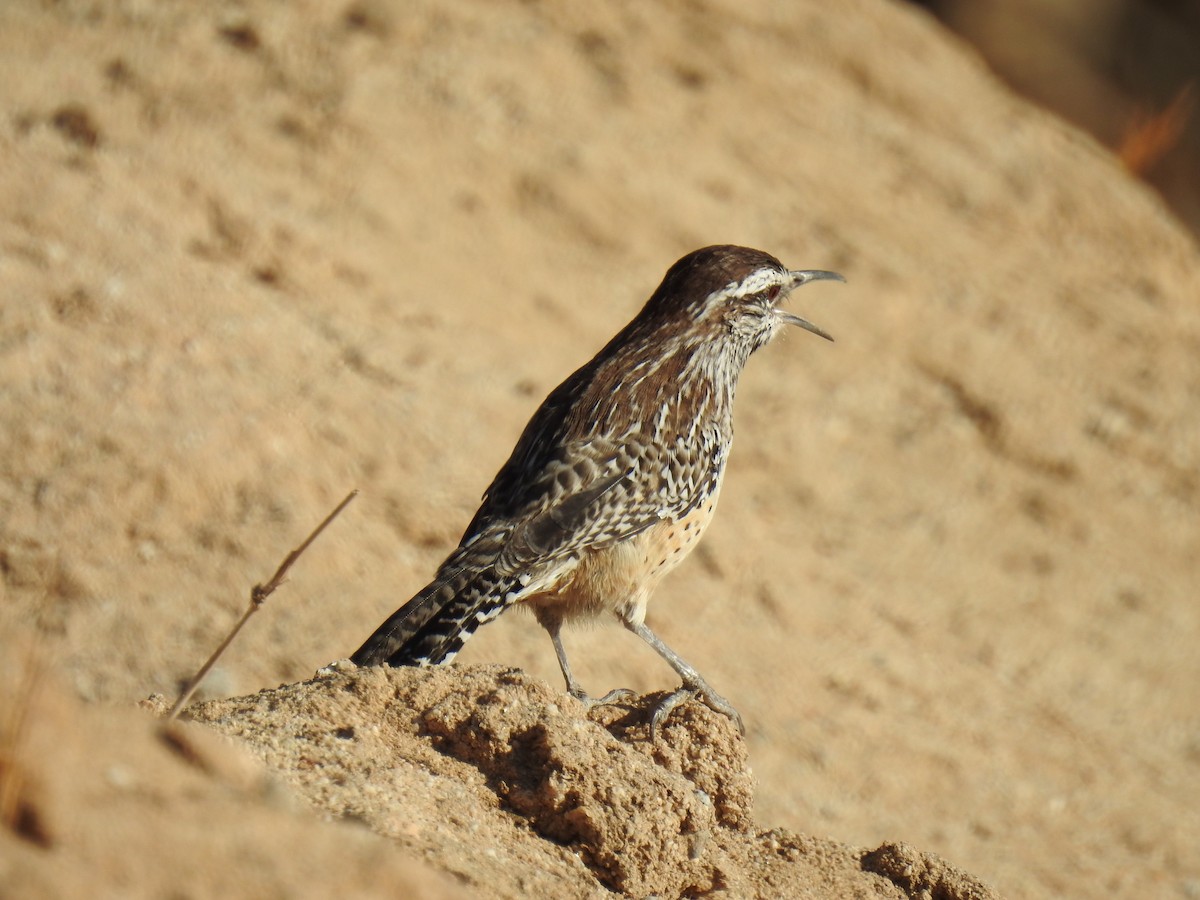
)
(614, 479)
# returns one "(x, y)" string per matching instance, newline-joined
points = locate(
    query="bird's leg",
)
(553, 624)
(694, 684)
(573, 687)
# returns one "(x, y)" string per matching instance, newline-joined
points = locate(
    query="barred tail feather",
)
(432, 627)
(440, 639)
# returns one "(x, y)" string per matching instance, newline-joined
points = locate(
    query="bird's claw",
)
(702, 692)
(612, 696)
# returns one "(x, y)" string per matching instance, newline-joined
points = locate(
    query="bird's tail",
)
(432, 627)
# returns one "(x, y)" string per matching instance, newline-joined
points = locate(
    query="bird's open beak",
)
(799, 278)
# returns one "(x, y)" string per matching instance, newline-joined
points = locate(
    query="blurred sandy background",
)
(255, 254)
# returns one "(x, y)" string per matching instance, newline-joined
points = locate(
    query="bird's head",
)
(734, 294)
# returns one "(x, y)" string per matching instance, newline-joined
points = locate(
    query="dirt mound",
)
(511, 786)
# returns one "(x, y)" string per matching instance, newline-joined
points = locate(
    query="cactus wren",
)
(614, 478)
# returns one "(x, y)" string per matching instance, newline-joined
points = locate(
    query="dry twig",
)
(258, 595)
(17, 812)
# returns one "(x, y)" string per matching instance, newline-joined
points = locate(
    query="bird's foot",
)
(697, 691)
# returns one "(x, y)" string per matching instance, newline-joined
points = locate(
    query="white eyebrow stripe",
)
(756, 282)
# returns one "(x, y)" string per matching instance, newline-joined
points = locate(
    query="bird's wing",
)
(601, 493)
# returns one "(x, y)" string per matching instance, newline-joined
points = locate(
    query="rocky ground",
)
(254, 255)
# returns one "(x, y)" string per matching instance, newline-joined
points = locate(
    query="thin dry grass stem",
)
(258, 595)
(17, 812)
(12, 736)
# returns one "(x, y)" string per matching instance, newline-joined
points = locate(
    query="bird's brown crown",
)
(688, 285)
